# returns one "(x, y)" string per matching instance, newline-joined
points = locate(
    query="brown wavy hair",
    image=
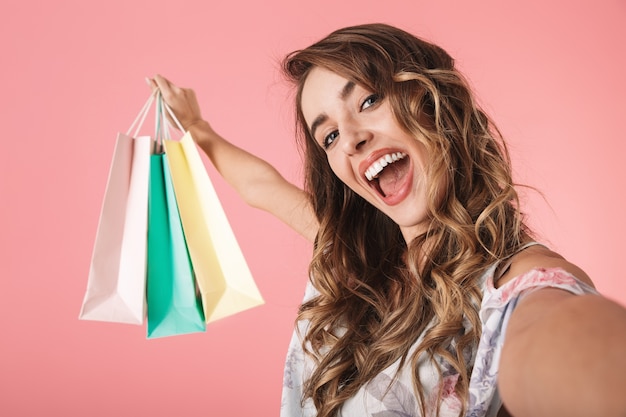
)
(378, 294)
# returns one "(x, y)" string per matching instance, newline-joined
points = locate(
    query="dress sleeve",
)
(297, 367)
(497, 306)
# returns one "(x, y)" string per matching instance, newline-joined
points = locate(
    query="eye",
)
(330, 138)
(370, 101)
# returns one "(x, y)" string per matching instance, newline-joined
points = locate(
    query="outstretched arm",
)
(564, 355)
(256, 181)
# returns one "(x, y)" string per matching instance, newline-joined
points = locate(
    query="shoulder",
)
(539, 256)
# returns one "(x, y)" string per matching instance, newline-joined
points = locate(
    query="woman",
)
(422, 265)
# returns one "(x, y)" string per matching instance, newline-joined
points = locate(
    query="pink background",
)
(550, 73)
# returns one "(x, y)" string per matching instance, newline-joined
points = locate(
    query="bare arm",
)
(564, 355)
(256, 181)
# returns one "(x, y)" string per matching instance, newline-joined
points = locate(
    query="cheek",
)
(340, 167)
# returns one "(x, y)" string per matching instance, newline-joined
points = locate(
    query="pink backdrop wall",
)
(551, 74)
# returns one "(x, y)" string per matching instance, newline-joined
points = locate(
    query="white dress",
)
(385, 396)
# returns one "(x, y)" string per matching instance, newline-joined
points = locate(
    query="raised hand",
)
(182, 101)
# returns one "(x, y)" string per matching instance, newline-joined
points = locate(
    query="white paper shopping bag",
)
(116, 284)
(117, 275)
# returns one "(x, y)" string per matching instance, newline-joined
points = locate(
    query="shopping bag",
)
(173, 306)
(222, 274)
(116, 283)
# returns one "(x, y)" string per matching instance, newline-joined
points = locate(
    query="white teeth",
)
(377, 167)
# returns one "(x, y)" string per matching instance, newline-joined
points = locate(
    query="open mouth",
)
(388, 174)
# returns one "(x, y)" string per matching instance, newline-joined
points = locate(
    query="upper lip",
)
(373, 157)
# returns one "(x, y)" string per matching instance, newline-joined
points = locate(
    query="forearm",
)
(242, 170)
(258, 183)
(570, 361)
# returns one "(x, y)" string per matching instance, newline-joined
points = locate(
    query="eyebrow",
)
(343, 95)
(347, 90)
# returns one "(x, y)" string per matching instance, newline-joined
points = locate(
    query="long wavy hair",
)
(378, 294)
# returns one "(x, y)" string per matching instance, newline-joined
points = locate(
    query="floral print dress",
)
(386, 396)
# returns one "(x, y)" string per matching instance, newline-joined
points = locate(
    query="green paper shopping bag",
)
(173, 305)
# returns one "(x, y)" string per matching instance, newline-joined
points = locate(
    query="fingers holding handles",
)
(255, 180)
(182, 101)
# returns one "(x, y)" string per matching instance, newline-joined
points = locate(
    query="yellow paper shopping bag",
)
(222, 274)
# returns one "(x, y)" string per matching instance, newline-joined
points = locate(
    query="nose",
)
(355, 139)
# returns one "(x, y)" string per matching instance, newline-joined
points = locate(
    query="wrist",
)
(199, 124)
(201, 131)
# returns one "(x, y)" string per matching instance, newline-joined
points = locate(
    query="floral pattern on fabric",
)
(496, 309)
(398, 402)
(391, 395)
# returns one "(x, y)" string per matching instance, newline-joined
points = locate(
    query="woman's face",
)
(367, 149)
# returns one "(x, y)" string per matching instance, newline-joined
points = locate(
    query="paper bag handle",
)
(141, 117)
(173, 117)
(162, 124)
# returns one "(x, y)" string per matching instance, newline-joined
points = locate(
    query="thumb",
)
(152, 84)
